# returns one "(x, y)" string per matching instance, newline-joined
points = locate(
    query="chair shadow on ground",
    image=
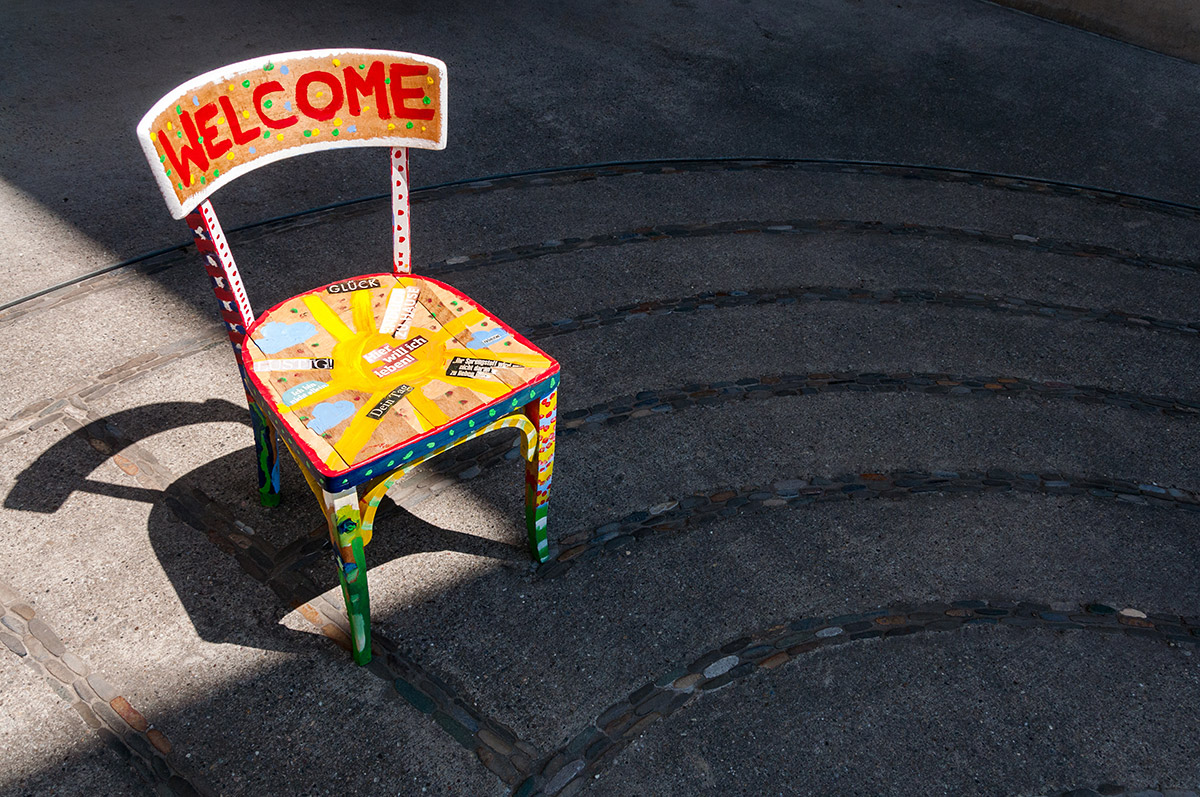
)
(224, 603)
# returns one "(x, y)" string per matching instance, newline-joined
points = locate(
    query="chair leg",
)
(266, 449)
(539, 470)
(343, 513)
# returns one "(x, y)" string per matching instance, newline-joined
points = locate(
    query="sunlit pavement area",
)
(876, 464)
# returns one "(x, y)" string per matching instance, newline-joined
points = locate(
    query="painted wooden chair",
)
(362, 378)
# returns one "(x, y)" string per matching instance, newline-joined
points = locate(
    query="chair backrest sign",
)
(229, 121)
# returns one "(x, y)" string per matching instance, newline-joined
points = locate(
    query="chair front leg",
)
(345, 530)
(539, 470)
(266, 449)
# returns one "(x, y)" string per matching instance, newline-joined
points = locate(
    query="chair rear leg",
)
(345, 530)
(539, 470)
(266, 449)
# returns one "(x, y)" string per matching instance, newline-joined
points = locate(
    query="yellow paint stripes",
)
(528, 432)
(324, 315)
(523, 360)
(422, 424)
(465, 320)
(428, 411)
(369, 504)
(427, 415)
(360, 307)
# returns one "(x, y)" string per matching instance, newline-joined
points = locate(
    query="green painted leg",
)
(535, 528)
(266, 447)
(345, 523)
(358, 603)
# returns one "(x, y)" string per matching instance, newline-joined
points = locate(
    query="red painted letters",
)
(400, 93)
(191, 152)
(370, 85)
(335, 92)
(261, 90)
(209, 132)
(235, 127)
(192, 142)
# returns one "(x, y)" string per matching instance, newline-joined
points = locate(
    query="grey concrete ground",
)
(871, 479)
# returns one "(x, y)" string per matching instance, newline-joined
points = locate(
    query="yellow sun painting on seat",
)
(407, 353)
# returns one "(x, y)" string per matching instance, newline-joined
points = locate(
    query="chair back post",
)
(401, 246)
(223, 271)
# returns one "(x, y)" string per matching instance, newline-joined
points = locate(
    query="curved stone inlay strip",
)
(709, 300)
(712, 300)
(120, 726)
(20, 422)
(652, 402)
(805, 227)
(1114, 790)
(471, 461)
(106, 278)
(586, 173)
(590, 750)
(690, 510)
(939, 174)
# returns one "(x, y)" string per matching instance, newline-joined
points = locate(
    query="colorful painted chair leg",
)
(266, 449)
(345, 528)
(539, 471)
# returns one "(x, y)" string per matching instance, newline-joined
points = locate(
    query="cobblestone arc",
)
(167, 257)
(678, 514)
(647, 403)
(591, 749)
(713, 300)
(498, 748)
(662, 232)
(45, 411)
(100, 706)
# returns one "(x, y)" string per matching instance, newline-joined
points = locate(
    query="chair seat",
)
(369, 374)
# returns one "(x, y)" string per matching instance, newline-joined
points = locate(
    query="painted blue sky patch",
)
(327, 415)
(277, 336)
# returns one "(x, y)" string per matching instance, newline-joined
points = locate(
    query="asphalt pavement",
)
(877, 428)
